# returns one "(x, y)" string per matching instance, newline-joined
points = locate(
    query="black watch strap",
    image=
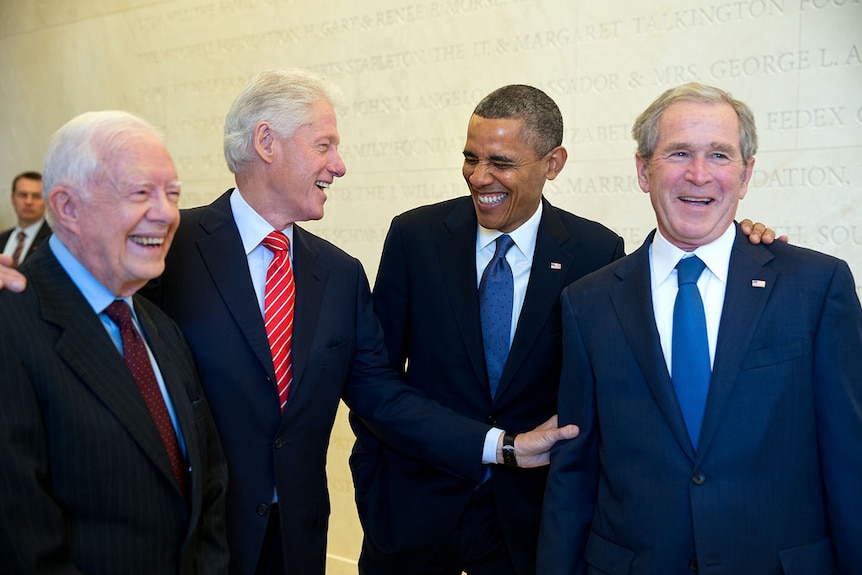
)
(509, 459)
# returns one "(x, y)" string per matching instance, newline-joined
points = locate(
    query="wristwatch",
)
(509, 459)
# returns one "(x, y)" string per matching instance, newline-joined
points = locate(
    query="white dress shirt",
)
(520, 258)
(712, 285)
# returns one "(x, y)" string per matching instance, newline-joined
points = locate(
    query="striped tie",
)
(19, 248)
(278, 300)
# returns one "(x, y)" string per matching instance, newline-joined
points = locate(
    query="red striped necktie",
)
(278, 301)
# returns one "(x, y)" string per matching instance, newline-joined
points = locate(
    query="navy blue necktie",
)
(496, 294)
(690, 366)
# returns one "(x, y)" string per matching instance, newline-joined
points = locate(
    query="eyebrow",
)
(493, 158)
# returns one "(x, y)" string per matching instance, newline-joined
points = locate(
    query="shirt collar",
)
(524, 235)
(251, 225)
(97, 295)
(716, 255)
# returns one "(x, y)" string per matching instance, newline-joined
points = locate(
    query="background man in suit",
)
(108, 466)
(31, 230)
(753, 467)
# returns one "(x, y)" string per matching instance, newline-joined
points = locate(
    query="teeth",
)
(697, 200)
(491, 199)
(322, 184)
(145, 241)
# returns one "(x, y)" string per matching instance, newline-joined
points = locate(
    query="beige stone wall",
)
(412, 72)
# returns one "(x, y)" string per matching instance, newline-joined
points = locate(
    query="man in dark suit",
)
(281, 143)
(753, 466)
(417, 518)
(21, 241)
(111, 460)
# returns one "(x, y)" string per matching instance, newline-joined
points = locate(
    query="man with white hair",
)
(111, 460)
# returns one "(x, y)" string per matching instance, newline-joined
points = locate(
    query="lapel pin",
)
(758, 283)
(556, 266)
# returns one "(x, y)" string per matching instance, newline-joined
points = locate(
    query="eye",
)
(470, 160)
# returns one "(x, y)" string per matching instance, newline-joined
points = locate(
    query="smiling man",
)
(734, 448)
(111, 460)
(419, 519)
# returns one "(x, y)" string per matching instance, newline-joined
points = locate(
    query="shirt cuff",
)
(489, 451)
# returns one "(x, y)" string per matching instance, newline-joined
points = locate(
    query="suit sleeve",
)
(32, 530)
(400, 416)
(838, 404)
(571, 489)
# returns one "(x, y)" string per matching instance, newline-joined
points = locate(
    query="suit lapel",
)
(634, 312)
(543, 290)
(89, 352)
(222, 252)
(749, 284)
(310, 278)
(456, 250)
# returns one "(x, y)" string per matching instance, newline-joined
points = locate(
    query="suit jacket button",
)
(262, 509)
(699, 478)
(279, 443)
(692, 565)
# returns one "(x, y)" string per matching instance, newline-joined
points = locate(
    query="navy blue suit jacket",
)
(774, 487)
(85, 482)
(428, 304)
(337, 354)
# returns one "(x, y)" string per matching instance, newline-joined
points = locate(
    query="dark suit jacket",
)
(337, 353)
(43, 234)
(774, 487)
(85, 482)
(427, 301)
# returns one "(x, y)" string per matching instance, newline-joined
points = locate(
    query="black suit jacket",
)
(427, 301)
(85, 482)
(337, 353)
(43, 234)
(773, 487)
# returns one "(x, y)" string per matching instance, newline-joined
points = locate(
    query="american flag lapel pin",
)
(758, 283)
(556, 266)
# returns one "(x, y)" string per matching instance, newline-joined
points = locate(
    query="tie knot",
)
(21, 236)
(276, 242)
(504, 242)
(689, 269)
(119, 313)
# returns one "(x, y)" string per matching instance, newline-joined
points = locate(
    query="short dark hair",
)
(543, 122)
(27, 176)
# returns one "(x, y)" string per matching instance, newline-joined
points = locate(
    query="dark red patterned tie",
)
(279, 295)
(138, 362)
(16, 255)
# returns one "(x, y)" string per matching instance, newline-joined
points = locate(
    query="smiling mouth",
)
(491, 199)
(322, 185)
(147, 242)
(698, 201)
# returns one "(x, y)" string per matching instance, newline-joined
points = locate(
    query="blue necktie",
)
(690, 367)
(496, 294)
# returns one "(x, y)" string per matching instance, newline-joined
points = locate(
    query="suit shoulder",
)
(325, 249)
(433, 212)
(582, 226)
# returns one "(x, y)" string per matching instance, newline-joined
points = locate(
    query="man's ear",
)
(64, 204)
(263, 141)
(556, 159)
(642, 169)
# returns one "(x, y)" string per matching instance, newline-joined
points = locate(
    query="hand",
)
(10, 277)
(532, 447)
(759, 232)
